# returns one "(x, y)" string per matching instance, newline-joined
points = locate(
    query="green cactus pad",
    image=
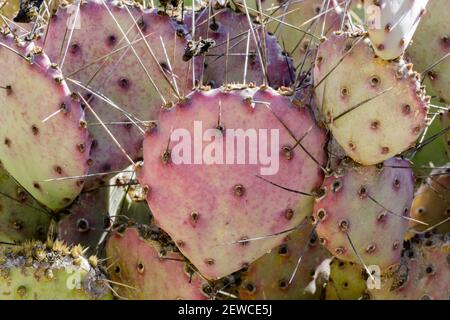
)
(374, 111)
(21, 217)
(269, 276)
(348, 281)
(431, 48)
(44, 137)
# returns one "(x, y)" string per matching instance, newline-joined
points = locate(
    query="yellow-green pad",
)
(43, 136)
(21, 217)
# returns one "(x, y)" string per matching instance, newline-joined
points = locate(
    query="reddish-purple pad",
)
(231, 32)
(208, 208)
(148, 271)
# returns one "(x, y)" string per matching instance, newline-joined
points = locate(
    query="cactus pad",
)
(21, 217)
(423, 274)
(219, 67)
(347, 281)
(215, 203)
(430, 50)
(33, 150)
(392, 25)
(375, 111)
(432, 202)
(150, 267)
(269, 276)
(368, 205)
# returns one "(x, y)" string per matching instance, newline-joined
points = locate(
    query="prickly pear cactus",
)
(375, 111)
(423, 274)
(48, 124)
(50, 271)
(21, 217)
(244, 149)
(364, 210)
(432, 202)
(147, 266)
(348, 281)
(127, 70)
(392, 24)
(269, 277)
(430, 50)
(238, 54)
(217, 203)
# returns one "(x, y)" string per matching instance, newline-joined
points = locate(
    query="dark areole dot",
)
(406, 109)
(396, 183)
(239, 190)
(336, 185)
(321, 214)
(288, 214)
(140, 267)
(82, 225)
(35, 130)
(283, 250)
(344, 225)
(362, 192)
(214, 26)
(375, 81)
(282, 283)
(429, 269)
(344, 91)
(195, 216)
(74, 48)
(124, 83)
(250, 287)
(111, 40)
